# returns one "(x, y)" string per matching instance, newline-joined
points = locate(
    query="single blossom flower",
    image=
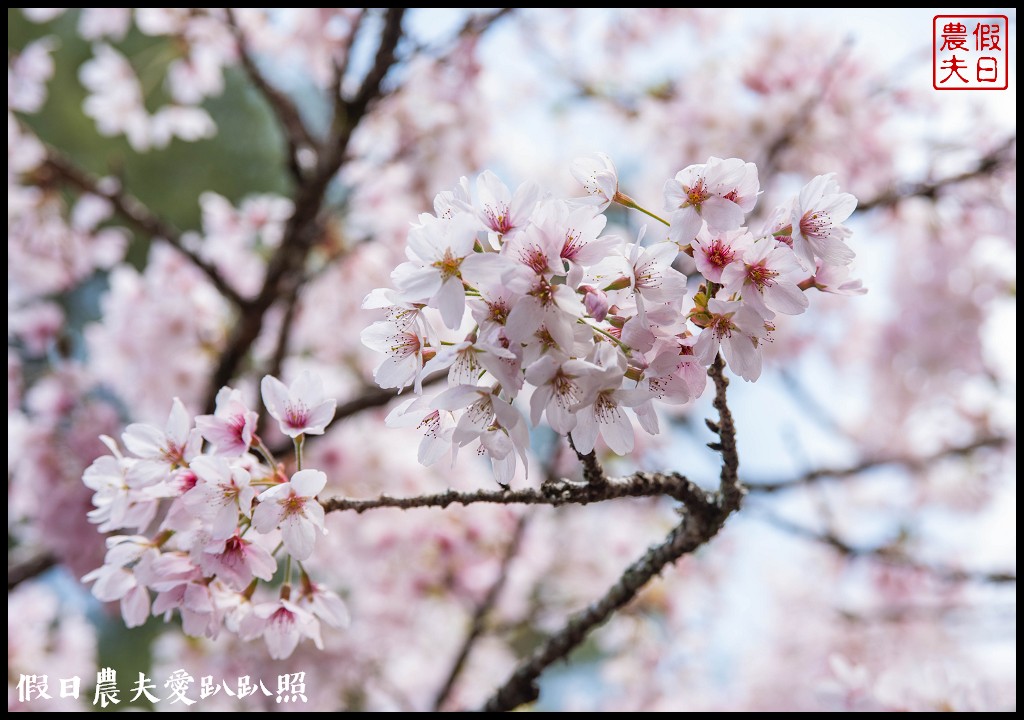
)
(597, 174)
(237, 561)
(282, 624)
(817, 220)
(300, 409)
(737, 329)
(502, 213)
(719, 192)
(766, 276)
(713, 252)
(162, 451)
(231, 427)
(293, 507)
(220, 493)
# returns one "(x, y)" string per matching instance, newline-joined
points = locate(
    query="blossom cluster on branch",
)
(216, 538)
(509, 291)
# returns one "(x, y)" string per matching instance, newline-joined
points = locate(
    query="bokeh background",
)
(874, 563)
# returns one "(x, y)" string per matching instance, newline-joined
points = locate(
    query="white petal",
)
(451, 301)
(308, 483)
(299, 537)
(275, 396)
(267, 515)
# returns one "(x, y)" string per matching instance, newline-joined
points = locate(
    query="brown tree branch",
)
(555, 493)
(294, 130)
(1000, 156)
(476, 625)
(137, 215)
(593, 473)
(913, 463)
(704, 514)
(285, 269)
(888, 553)
(796, 124)
(28, 568)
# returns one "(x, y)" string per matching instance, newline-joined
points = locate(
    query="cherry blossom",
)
(737, 329)
(160, 451)
(597, 174)
(766, 276)
(282, 624)
(718, 193)
(818, 215)
(221, 492)
(293, 507)
(299, 408)
(231, 427)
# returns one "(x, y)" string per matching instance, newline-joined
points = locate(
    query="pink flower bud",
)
(596, 302)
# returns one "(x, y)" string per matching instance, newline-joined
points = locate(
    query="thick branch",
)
(476, 625)
(890, 554)
(285, 269)
(137, 214)
(730, 487)
(914, 463)
(704, 517)
(704, 514)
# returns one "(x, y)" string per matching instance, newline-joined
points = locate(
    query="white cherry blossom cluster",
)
(518, 293)
(212, 521)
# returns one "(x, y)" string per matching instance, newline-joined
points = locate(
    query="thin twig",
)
(704, 514)
(138, 215)
(342, 63)
(887, 553)
(593, 473)
(483, 609)
(914, 463)
(555, 493)
(1000, 156)
(294, 130)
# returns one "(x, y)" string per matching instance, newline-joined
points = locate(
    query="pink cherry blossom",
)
(300, 408)
(231, 427)
(437, 250)
(501, 212)
(766, 275)
(559, 384)
(719, 192)
(293, 507)
(322, 603)
(403, 344)
(836, 279)
(221, 492)
(736, 328)
(161, 451)
(237, 561)
(713, 252)
(817, 220)
(601, 412)
(597, 174)
(282, 625)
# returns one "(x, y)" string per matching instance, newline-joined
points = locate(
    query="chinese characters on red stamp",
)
(970, 52)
